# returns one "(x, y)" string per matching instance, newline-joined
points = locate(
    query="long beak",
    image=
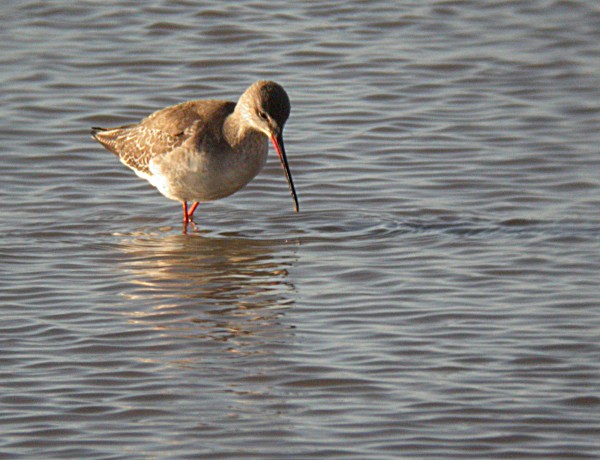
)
(277, 141)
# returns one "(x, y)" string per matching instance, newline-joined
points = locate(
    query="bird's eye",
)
(262, 115)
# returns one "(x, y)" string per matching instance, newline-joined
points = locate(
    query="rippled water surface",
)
(436, 297)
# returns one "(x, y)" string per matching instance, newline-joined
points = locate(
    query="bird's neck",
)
(235, 128)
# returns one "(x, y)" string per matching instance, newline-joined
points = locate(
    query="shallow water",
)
(436, 297)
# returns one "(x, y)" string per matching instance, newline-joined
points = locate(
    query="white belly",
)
(185, 175)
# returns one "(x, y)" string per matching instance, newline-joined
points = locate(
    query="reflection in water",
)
(218, 288)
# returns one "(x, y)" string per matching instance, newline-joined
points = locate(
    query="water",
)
(436, 297)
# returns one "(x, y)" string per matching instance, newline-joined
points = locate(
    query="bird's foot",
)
(195, 228)
(190, 224)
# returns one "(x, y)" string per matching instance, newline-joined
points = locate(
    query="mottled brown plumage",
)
(164, 130)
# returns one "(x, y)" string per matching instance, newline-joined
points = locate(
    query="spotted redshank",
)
(204, 150)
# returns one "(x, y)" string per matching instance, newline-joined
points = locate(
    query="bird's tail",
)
(95, 130)
(106, 137)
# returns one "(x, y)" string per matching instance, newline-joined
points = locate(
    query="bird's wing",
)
(159, 133)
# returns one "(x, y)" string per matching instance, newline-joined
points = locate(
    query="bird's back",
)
(163, 131)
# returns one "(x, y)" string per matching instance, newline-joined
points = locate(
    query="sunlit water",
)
(436, 297)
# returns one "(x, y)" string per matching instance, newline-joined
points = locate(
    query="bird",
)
(207, 149)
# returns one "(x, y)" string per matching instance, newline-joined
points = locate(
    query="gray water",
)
(436, 297)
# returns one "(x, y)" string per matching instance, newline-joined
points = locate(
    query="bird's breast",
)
(208, 172)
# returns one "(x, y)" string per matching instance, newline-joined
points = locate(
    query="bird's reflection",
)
(219, 288)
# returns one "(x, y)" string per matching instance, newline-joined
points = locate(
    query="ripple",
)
(436, 295)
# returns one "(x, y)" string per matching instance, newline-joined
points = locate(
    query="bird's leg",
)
(186, 217)
(191, 213)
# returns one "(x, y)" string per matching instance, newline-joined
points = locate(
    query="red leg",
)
(191, 213)
(186, 216)
(192, 209)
